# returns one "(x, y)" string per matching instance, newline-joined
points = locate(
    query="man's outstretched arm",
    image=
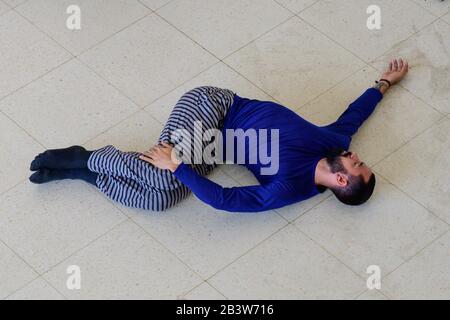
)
(360, 110)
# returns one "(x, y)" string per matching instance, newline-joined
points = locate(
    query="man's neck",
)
(323, 174)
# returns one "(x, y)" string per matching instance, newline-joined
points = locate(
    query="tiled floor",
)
(115, 82)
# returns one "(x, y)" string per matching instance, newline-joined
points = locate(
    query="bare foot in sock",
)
(75, 157)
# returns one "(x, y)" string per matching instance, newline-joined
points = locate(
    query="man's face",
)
(354, 166)
(349, 162)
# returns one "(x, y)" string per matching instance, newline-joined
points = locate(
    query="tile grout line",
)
(158, 121)
(36, 79)
(429, 10)
(223, 59)
(207, 283)
(417, 97)
(13, 187)
(191, 269)
(366, 66)
(331, 39)
(408, 141)
(85, 246)
(443, 20)
(404, 145)
(368, 290)
(414, 256)
(197, 75)
(248, 251)
(78, 251)
(151, 12)
(414, 200)
(226, 297)
(402, 41)
(263, 240)
(21, 128)
(354, 54)
(75, 57)
(143, 109)
(330, 253)
(165, 4)
(305, 8)
(37, 274)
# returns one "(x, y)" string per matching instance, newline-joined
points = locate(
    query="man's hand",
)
(398, 69)
(161, 157)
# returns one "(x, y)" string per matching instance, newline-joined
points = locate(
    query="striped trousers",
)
(126, 179)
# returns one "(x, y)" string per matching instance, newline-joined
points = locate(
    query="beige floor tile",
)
(438, 7)
(14, 273)
(220, 75)
(67, 106)
(296, 5)
(148, 59)
(126, 263)
(14, 3)
(218, 25)
(204, 292)
(45, 224)
(429, 55)
(387, 129)
(446, 18)
(421, 169)
(385, 232)
(4, 7)
(294, 73)
(137, 133)
(245, 178)
(288, 266)
(346, 23)
(425, 276)
(154, 4)
(18, 149)
(99, 19)
(37, 290)
(26, 53)
(205, 238)
(372, 295)
(308, 66)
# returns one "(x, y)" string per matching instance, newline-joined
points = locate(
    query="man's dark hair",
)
(357, 192)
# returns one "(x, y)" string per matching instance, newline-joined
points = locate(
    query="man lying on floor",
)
(310, 158)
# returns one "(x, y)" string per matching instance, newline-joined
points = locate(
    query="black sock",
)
(47, 175)
(75, 157)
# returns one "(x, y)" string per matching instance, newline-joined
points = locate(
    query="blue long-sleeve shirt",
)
(301, 146)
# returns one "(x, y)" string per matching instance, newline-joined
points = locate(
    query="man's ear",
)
(341, 179)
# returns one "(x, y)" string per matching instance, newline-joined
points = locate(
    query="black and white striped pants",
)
(124, 178)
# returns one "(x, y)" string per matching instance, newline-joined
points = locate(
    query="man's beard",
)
(334, 160)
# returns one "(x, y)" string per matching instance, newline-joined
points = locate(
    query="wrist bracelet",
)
(387, 81)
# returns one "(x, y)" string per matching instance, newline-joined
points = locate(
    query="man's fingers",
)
(400, 64)
(406, 67)
(391, 66)
(146, 159)
(395, 65)
(165, 145)
(150, 154)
